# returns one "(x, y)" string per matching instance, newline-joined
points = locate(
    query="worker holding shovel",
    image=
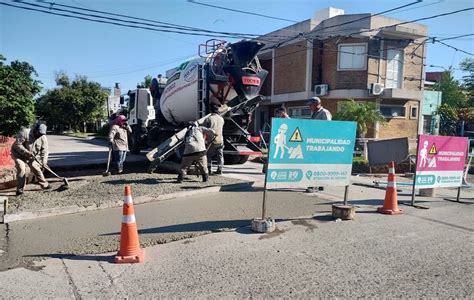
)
(24, 155)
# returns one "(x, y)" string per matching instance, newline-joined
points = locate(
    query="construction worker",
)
(318, 113)
(195, 150)
(23, 156)
(118, 141)
(39, 144)
(216, 146)
(281, 113)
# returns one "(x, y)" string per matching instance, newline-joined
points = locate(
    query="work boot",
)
(218, 171)
(205, 177)
(209, 170)
(19, 193)
(180, 178)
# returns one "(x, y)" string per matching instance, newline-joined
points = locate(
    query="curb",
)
(3, 208)
(57, 211)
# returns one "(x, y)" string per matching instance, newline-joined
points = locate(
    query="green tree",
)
(456, 100)
(365, 114)
(448, 119)
(452, 90)
(73, 103)
(467, 65)
(146, 82)
(17, 89)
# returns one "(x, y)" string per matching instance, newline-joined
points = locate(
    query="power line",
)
(383, 27)
(153, 22)
(241, 11)
(346, 23)
(429, 4)
(452, 47)
(456, 37)
(415, 20)
(135, 24)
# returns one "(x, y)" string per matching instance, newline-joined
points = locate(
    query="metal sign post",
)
(414, 172)
(264, 206)
(346, 194)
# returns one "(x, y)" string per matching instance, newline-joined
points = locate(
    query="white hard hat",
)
(42, 129)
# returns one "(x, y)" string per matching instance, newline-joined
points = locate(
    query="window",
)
(413, 112)
(299, 112)
(352, 57)
(393, 111)
(394, 77)
(132, 100)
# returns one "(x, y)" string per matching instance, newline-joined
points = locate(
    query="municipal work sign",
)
(306, 153)
(440, 161)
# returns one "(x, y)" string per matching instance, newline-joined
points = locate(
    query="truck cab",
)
(141, 111)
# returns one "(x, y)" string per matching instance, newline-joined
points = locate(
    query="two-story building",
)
(337, 57)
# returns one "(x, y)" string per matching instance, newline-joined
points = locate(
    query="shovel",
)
(65, 184)
(107, 172)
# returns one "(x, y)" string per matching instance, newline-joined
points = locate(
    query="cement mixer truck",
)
(228, 74)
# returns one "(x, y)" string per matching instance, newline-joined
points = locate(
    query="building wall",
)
(400, 126)
(412, 62)
(340, 79)
(290, 68)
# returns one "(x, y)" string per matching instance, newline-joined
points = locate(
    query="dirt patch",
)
(272, 234)
(309, 226)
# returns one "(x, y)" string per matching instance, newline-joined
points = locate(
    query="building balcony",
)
(365, 93)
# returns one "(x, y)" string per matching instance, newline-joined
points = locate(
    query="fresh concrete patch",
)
(94, 193)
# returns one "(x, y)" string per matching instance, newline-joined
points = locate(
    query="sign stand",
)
(264, 206)
(346, 194)
(344, 212)
(414, 172)
(264, 225)
(458, 196)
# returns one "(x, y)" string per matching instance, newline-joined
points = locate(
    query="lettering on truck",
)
(248, 80)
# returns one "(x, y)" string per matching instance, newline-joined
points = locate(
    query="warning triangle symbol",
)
(433, 149)
(296, 136)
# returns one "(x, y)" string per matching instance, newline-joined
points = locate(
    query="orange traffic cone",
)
(130, 251)
(390, 204)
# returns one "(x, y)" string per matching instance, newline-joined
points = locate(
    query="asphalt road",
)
(419, 254)
(66, 151)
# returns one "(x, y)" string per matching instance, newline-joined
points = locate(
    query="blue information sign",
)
(307, 153)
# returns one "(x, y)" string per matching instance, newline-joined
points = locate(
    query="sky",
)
(111, 54)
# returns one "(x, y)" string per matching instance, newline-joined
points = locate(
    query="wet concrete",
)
(76, 235)
(98, 190)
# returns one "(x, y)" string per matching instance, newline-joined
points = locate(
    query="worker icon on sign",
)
(280, 141)
(424, 155)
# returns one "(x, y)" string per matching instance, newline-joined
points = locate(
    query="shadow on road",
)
(109, 259)
(213, 226)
